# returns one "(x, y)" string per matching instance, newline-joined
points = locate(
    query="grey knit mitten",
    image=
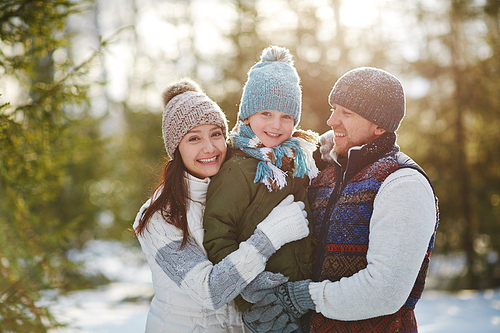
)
(269, 316)
(280, 308)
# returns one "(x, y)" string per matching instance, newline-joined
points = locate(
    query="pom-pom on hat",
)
(185, 107)
(272, 84)
(374, 94)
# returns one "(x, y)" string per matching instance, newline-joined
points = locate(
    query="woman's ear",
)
(246, 122)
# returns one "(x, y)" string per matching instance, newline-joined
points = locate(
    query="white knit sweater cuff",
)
(315, 290)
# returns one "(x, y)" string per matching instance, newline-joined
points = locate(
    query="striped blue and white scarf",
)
(299, 148)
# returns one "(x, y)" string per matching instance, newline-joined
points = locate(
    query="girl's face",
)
(271, 127)
(203, 150)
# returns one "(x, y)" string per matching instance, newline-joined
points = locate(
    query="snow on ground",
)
(466, 311)
(102, 310)
(122, 306)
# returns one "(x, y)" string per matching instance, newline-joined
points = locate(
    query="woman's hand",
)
(285, 223)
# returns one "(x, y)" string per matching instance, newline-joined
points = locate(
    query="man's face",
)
(351, 129)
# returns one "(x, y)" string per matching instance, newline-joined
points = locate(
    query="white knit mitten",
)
(285, 223)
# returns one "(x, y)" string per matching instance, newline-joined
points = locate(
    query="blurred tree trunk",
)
(457, 16)
(340, 36)
(458, 74)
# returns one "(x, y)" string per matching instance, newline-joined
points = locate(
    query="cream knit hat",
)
(185, 107)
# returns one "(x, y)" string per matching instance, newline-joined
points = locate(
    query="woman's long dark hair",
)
(172, 200)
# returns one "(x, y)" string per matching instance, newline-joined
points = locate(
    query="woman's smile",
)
(203, 150)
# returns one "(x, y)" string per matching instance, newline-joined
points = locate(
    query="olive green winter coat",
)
(235, 205)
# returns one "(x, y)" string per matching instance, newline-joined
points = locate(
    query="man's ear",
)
(379, 131)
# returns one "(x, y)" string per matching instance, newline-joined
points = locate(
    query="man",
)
(374, 220)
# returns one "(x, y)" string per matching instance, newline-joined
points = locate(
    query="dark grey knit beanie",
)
(374, 94)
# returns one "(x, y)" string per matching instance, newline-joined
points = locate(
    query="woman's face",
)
(203, 150)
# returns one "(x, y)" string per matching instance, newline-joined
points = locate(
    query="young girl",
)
(272, 160)
(191, 293)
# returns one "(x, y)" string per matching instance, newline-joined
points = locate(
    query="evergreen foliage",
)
(48, 149)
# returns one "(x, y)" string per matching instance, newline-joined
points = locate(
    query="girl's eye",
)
(193, 138)
(287, 116)
(265, 113)
(218, 133)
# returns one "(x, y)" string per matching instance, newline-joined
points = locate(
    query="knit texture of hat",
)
(374, 94)
(272, 84)
(185, 107)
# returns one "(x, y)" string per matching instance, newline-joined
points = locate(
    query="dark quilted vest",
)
(342, 237)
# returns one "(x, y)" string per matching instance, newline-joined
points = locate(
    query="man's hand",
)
(262, 285)
(278, 309)
(268, 315)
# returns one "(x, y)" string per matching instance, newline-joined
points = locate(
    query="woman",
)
(191, 294)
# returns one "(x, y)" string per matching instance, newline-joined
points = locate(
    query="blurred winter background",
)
(80, 139)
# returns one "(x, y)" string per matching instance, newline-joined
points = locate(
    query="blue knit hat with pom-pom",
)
(273, 84)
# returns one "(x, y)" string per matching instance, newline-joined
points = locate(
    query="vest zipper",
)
(324, 226)
(339, 187)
